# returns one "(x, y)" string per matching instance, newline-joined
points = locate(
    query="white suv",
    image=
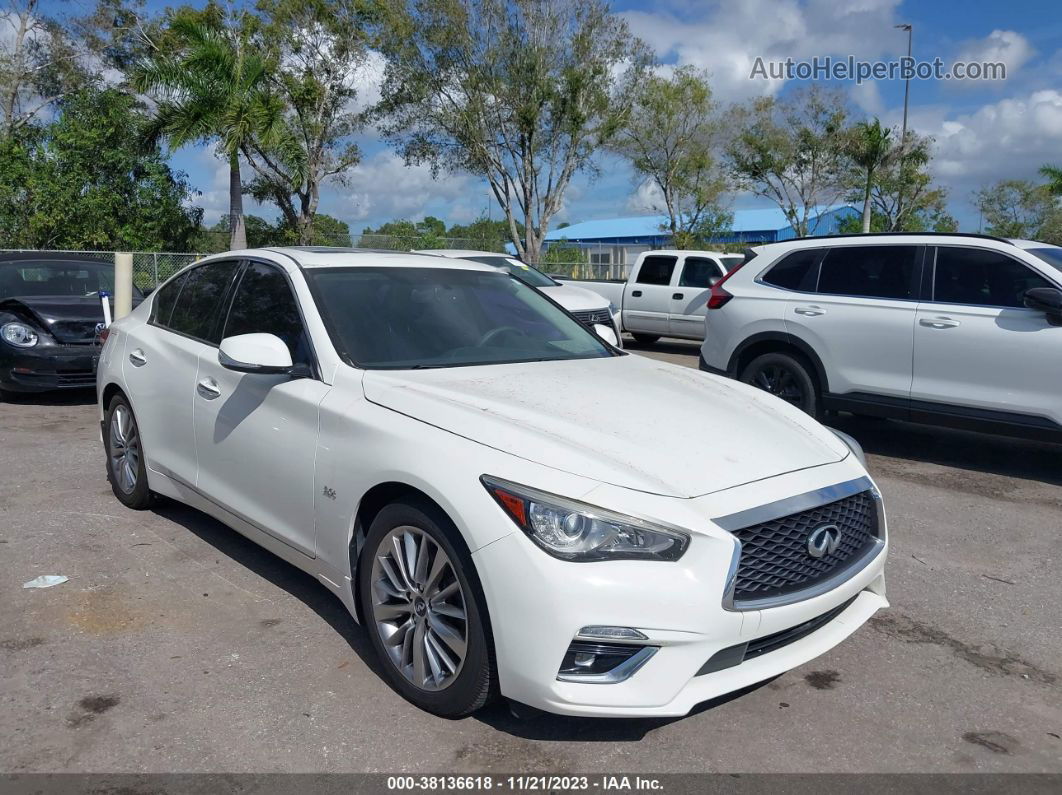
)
(958, 330)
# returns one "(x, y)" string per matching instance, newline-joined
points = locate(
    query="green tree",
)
(1016, 208)
(671, 137)
(791, 152)
(869, 147)
(318, 48)
(1053, 174)
(904, 195)
(520, 92)
(324, 231)
(211, 85)
(484, 234)
(84, 181)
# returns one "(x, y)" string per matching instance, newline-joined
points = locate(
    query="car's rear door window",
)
(699, 272)
(869, 271)
(164, 300)
(196, 311)
(980, 277)
(264, 304)
(656, 270)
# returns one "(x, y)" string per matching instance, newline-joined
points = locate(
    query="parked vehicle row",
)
(454, 456)
(958, 330)
(666, 293)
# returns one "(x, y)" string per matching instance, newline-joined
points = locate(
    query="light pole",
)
(903, 130)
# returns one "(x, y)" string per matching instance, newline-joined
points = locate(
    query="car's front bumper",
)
(48, 367)
(538, 605)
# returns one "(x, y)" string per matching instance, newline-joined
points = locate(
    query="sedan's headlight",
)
(19, 334)
(575, 531)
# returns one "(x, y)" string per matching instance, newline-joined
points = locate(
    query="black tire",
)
(135, 495)
(475, 681)
(646, 339)
(786, 377)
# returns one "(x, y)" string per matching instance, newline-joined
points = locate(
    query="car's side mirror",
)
(607, 333)
(265, 354)
(1047, 300)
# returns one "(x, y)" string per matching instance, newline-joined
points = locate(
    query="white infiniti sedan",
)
(507, 503)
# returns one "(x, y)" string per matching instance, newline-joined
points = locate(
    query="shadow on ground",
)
(66, 397)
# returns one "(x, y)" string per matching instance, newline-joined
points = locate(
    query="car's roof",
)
(1032, 244)
(322, 257)
(458, 253)
(690, 251)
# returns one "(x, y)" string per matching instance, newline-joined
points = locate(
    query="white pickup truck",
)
(667, 292)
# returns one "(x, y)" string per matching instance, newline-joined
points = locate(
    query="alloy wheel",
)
(418, 607)
(780, 382)
(124, 449)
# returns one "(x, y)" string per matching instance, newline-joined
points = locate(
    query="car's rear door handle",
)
(810, 311)
(938, 322)
(208, 388)
(137, 358)
(636, 294)
(677, 296)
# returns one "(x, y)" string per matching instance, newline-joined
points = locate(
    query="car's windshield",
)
(44, 278)
(399, 318)
(524, 273)
(1052, 255)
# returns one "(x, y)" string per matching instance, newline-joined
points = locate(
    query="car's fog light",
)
(611, 633)
(602, 663)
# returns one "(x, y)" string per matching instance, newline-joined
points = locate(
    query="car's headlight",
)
(19, 334)
(851, 444)
(575, 531)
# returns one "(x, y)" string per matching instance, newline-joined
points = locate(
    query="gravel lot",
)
(179, 646)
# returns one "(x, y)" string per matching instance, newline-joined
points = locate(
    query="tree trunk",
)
(237, 228)
(866, 202)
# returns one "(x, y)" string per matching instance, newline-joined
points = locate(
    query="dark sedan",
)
(51, 316)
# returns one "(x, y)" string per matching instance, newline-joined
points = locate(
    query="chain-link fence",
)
(150, 268)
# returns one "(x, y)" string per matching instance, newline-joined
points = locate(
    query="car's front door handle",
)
(938, 322)
(208, 388)
(810, 311)
(137, 358)
(677, 296)
(636, 294)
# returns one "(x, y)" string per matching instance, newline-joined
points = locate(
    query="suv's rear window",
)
(797, 270)
(868, 271)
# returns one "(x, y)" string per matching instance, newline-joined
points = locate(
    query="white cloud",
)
(382, 186)
(646, 198)
(1000, 46)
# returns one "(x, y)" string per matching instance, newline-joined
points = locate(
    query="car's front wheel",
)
(786, 377)
(423, 608)
(126, 469)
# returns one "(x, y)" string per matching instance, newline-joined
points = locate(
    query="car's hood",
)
(68, 318)
(628, 421)
(575, 299)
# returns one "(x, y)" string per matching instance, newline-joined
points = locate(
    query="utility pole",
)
(903, 130)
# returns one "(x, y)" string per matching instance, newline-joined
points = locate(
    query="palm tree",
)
(1054, 176)
(869, 149)
(213, 87)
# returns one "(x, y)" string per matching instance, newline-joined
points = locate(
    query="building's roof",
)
(762, 220)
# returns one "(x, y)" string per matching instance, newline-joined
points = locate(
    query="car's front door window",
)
(980, 277)
(264, 304)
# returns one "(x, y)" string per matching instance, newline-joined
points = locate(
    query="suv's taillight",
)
(719, 297)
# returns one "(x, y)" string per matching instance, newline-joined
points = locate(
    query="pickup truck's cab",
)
(667, 292)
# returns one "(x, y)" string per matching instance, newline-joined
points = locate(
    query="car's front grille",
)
(775, 558)
(73, 332)
(591, 316)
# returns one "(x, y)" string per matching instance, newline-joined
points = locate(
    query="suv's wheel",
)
(423, 606)
(646, 339)
(126, 469)
(786, 377)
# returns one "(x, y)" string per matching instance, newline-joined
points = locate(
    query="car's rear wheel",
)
(126, 469)
(423, 608)
(786, 377)
(646, 339)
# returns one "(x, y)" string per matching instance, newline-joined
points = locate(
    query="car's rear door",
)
(977, 345)
(162, 359)
(256, 434)
(860, 316)
(689, 298)
(647, 297)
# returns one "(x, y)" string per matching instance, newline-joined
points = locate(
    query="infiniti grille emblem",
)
(823, 540)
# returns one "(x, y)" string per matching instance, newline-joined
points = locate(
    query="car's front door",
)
(647, 297)
(689, 299)
(860, 317)
(256, 435)
(977, 346)
(162, 360)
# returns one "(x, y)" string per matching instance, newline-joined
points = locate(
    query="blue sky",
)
(984, 131)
